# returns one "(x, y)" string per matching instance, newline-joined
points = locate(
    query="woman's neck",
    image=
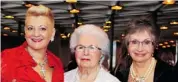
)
(141, 67)
(37, 54)
(86, 73)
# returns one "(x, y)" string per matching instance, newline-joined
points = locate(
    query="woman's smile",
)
(36, 40)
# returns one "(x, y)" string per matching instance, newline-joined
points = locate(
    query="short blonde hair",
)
(40, 10)
(97, 33)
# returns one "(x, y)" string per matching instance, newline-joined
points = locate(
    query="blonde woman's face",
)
(38, 31)
(140, 46)
(87, 52)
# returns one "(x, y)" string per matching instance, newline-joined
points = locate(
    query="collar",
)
(26, 59)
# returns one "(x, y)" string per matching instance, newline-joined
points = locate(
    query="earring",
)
(52, 37)
(101, 59)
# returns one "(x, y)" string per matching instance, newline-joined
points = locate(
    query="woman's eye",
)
(43, 29)
(91, 47)
(80, 47)
(134, 42)
(147, 42)
(29, 28)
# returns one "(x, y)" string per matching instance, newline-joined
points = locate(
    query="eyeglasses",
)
(91, 48)
(144, 43)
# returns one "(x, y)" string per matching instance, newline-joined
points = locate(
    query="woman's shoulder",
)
(9, 62)
(163, 65)
(106, 76)
(70, 75)
(163, 72)
(54, 60)
(163, 68)
(11, 52)
(71, 72)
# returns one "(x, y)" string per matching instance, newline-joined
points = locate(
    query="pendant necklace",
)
(42, 66)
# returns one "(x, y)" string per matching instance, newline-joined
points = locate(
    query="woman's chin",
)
(37, 47)
(85, 65)
(140, 60)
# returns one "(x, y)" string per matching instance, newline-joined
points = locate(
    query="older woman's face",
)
(38, 31)
(87, 52)
(140, 46)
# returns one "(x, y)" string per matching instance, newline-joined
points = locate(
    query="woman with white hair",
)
(90, 45)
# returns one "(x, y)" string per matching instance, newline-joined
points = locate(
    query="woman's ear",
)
(53, 34)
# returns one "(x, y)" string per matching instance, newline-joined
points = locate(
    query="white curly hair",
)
(96, 32)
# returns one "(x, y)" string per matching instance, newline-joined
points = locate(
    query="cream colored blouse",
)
(103, 76)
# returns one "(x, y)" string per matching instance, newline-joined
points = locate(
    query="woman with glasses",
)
(90, 44)
(136, 61)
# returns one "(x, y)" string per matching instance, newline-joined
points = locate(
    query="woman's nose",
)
(36, 32)
(140, 47)
(86, 51)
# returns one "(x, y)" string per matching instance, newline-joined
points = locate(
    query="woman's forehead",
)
(38, 20)
(42, 18)
(141, 35)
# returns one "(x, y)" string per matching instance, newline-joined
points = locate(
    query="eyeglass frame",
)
(88, 48)
(143, 43)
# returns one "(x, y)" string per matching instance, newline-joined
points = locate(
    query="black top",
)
(163, 73)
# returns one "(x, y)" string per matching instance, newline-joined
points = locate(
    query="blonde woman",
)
(31, 61)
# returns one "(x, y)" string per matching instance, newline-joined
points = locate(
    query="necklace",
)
(42, 66)
(145, 76)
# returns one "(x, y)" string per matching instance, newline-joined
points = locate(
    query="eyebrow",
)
(38, 26)
(43, 26)
(28, 26)
(84, 45)
(79, 45)
(143, 40)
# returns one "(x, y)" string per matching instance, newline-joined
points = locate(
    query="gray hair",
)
(97, 33)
